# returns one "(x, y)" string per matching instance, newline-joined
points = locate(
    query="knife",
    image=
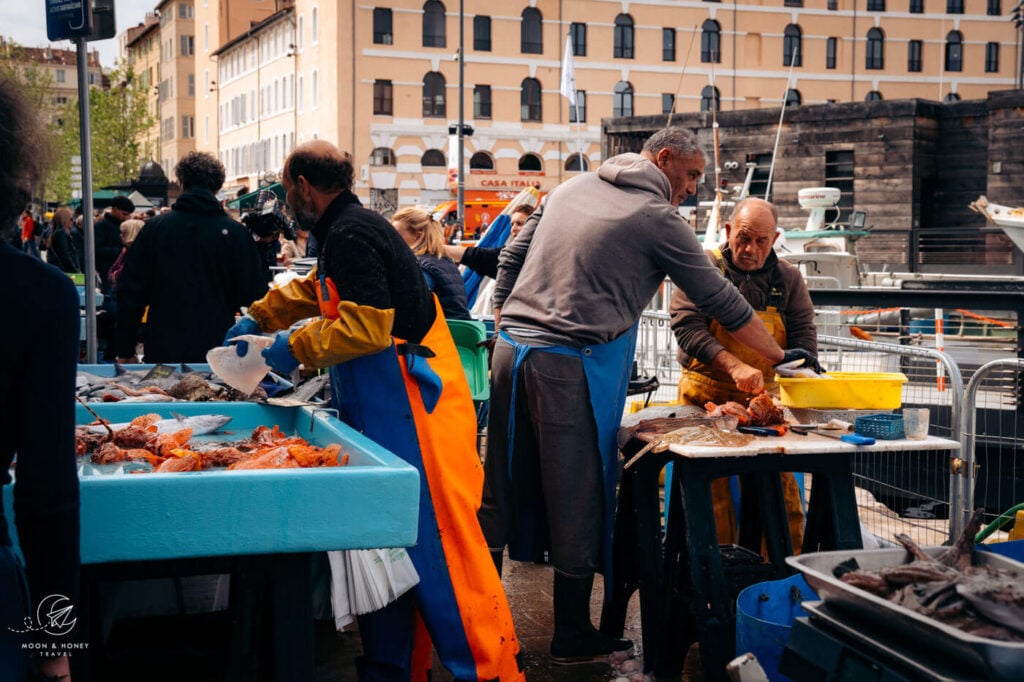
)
(840, 435)
(759, 430)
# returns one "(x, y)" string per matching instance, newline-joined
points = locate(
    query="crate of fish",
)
(880, 426)
(201, 479)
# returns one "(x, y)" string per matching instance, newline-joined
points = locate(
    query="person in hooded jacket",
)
(570, 297)
(194, 267)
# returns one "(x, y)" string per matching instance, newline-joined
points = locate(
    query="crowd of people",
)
(571, 284)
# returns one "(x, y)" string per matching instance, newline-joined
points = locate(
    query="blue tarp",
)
(496, 235)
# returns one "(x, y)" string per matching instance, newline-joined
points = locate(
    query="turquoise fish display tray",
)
(371, 502)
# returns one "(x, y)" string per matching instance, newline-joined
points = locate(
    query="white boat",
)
(1011, 220)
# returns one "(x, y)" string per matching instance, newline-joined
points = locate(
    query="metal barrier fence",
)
(993, 429)
(910, 492)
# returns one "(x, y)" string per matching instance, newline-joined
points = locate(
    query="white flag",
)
(568, 89)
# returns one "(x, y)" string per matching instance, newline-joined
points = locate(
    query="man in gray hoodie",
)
(570, 290)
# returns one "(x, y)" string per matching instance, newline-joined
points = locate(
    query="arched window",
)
(951, 97)
(711, 42)
(382, 156)
(709, 97)
(793, 98)
(481, 161)
(572, 164)
(433, 95)
(874, 57)
(623, 36)
(792, 50)
(433, 158)
(530, 163)
(433, 24)
(531, 32)
(529, 100)
(873, 96)
(954, 51)
(622, 99)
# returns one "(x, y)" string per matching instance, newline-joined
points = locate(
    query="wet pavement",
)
(528, 587)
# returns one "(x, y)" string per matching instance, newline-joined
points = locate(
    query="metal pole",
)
(87, 222)
(461, 194)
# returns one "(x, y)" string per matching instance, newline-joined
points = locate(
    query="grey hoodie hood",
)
(635, 170)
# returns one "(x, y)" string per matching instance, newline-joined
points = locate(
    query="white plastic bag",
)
(365, 580)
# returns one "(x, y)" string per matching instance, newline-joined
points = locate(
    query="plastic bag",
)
(365, 580)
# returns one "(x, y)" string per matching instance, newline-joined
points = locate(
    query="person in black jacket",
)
(193, 266)
(425, 237)
(37, 418)
(483, 259)
(107, 236)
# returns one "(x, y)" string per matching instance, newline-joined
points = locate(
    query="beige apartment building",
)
(162, 53)
(383, 80)
(141, 47)
(62, 67)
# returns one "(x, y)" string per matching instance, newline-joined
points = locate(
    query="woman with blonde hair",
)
(62, 251)
(129, 231)
(425, 237)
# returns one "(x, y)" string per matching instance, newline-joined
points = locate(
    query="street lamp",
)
(461, 192)
(1017, 14)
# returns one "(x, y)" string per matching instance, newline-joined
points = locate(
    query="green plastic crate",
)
(467, 335)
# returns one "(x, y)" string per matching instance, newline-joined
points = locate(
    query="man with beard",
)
(396, 377)
(194, 267)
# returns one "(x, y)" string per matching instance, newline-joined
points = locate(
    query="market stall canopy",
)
(248, 201)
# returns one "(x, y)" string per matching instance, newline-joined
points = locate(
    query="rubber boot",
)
(576, 640)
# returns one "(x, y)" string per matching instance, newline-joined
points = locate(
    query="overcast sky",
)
(24, 21)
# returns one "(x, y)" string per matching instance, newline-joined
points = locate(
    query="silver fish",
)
(200, 424)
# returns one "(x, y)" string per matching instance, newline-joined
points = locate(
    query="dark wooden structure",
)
(912, 165)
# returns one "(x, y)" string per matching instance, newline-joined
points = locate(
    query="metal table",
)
(687, 592)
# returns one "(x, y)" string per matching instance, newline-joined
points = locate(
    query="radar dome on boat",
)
(818, 197)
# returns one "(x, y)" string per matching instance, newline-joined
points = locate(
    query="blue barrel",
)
(764, 616)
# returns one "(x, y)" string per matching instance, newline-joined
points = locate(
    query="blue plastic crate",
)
(880, 426)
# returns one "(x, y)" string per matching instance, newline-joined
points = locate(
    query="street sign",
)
(67, 19)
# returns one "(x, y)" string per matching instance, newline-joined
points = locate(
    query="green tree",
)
(118, 117)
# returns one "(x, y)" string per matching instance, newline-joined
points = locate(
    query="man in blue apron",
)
(584, 268)
(396, 376)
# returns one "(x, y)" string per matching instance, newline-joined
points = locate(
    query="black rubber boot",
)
(576, 640)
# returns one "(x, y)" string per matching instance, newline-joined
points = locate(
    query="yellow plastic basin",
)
(845, 390)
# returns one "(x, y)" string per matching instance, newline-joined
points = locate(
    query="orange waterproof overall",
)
(460, 597)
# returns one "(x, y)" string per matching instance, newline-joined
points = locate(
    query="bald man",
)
(396, 377)
(718, 368)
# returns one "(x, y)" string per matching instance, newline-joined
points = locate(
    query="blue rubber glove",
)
(279, 356)
(427, 379)
(246, 325)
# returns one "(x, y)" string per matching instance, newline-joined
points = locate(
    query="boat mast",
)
(782, 114)
(715, 218)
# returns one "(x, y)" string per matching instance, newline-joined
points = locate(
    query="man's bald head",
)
(325, 167)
